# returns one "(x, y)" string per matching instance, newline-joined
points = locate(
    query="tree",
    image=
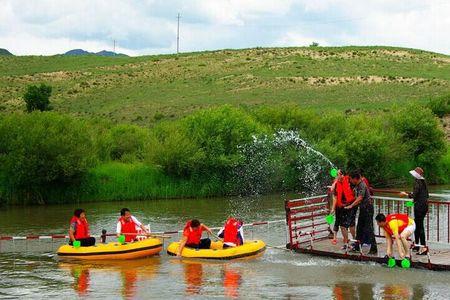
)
(38, 97)
(43, 151)
(314, 44)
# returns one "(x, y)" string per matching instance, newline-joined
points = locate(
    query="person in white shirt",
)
(128, 225)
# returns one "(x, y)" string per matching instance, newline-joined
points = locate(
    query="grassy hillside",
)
(150, 88)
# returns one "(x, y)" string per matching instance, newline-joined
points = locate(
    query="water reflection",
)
(232, 280)
(193, 276)
(130, 273)
(351, 291)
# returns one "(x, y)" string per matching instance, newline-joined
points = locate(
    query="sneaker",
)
(334, 241)
(345, 247)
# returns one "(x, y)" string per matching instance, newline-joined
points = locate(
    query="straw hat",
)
(417, 173)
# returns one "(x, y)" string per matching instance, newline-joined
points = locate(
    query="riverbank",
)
(55, 158)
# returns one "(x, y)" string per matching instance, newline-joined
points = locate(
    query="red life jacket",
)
(230, 232)
(82, 228)
(128, 227)
(344, 193)
(401, 217)
(193, 235)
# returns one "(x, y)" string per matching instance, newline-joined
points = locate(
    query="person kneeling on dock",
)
(79, 229)
(128, 225)
(192, 236)
(399, 226)
(232, 233)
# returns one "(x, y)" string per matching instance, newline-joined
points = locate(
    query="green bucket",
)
(391, 262)
(333, 172)
(409, 204)
(329, 219)
(121, 239)
(76, 244)
(406, 263)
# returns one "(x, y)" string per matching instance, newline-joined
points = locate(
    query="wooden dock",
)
(438, 259)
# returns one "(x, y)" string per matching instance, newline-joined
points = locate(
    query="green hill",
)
(5, 52)
(148, 88)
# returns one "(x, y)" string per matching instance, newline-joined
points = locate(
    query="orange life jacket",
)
(401, 217)
(230, 232)
(82, 228)
(344, 193)
(193, 235)
(128, 227)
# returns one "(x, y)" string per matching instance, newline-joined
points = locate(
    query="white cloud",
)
(149, 26)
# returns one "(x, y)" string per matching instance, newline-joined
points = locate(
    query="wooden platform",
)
(439, 254)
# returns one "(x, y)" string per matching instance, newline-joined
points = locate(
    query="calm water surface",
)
(30, 269)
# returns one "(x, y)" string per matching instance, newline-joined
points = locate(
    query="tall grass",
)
(137, 181)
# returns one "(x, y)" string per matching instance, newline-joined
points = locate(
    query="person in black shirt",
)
(420, 196)
(364, 229)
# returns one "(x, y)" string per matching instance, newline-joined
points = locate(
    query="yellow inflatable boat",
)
(249, 248)
(144, 248)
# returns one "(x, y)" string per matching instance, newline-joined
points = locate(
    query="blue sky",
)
(149, 26)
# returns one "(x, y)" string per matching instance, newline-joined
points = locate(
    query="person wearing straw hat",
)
(420, 196)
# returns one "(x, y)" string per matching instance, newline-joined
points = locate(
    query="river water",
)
(29, 269)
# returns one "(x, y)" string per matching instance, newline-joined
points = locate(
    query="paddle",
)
(162, 236)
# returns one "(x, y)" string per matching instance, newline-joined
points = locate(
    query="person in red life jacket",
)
(399, 226)
(232, 233)
(345, 218)
(79, 229)
(192, 236)
(128, 226)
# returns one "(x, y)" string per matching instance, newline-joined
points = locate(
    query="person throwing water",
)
(399, 226)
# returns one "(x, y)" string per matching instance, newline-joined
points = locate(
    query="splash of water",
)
(280, 162)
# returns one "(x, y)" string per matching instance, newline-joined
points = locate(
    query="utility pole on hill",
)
(178, 33)
(114, 48)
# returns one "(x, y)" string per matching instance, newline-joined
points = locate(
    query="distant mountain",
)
(76, 52)
(5, 52)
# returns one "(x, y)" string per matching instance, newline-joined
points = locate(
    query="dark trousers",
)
(90, 241)
(419, 217)
(204, 244)
(364, 229)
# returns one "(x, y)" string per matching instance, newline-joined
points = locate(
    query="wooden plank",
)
(440, 258)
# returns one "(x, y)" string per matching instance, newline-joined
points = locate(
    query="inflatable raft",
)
(144, 248)
(249, 248)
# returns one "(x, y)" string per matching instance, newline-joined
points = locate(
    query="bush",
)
(38, 97)
(41, 151)
(440, 106)
(125, 143)
(204, 143)
(173, 150)
(419, 130)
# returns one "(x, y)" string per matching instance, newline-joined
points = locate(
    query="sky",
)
(47, 27)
